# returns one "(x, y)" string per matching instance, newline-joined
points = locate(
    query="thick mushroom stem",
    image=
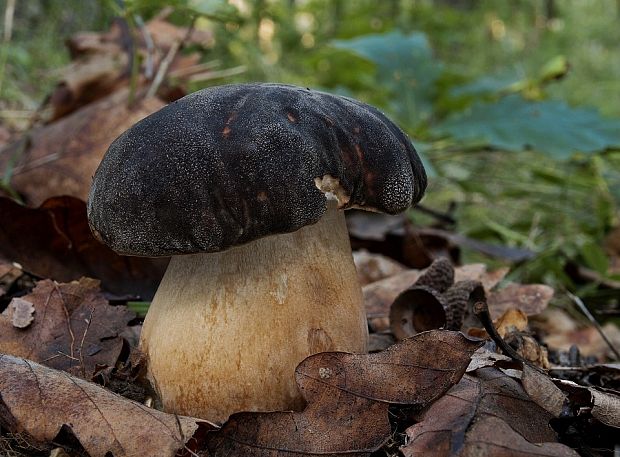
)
(226, 330)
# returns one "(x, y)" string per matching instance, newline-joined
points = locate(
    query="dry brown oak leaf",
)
(348, 396)
(61, 158)
(54, 241)
(531, 299)
(74, 328)
(36, 402)
(487, 413)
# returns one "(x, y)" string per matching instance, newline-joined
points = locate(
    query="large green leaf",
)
(406, 68)
(552, 127)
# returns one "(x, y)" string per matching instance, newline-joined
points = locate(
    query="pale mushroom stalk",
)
(255, 310)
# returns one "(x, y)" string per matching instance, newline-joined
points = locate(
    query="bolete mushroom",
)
(243, 186)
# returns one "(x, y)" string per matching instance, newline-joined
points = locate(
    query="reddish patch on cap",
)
(231, 118)
(360, 153)
(226, 132)
(291, 118)
(262, 196)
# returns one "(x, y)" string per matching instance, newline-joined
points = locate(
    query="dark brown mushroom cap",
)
(231, 164)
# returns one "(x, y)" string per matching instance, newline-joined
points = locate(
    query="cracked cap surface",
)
(230, 164)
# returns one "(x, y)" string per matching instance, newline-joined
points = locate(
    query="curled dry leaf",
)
(54, 241)
(543, 391)
(485, 414)
(606, 407)
(532, 299)
(37, 402)
(434, 301)
(379, 295)
(347, 399)
(74, 328)
(61, 158)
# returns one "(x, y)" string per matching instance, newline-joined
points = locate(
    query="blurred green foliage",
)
(514, 104)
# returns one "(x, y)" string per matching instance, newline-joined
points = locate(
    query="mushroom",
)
(243, 185)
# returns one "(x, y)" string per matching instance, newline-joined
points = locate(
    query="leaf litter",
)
(348, 396)
(72, 327)
(411, 394)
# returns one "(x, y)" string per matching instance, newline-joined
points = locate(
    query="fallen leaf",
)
(485, 358)
(103, 423)
(21, 312)
(54, 241)
(365, 225)
(606, 407)
(421, 247)
(492, 437)
(380, 341)
(587, 339)
(543, 391)
(374, 267)
(74, 328)
(478, 272)
(61, 158)
(532, 299)
(489, 414)
(347, 399)
(454, 241)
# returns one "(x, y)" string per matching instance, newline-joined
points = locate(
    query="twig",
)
(481, 310)
(36, 163)
(584, 309)
(218, 74)
(163, 68)
(88, 322)
(9, 13)
(167, 61)
(150, 46)
(68, 318)
(198, 68)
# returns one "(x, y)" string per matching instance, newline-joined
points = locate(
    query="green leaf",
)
(486, 85)
(594, 257)
(514, 124)
(139, 307)
(215, 9)
(405, 66)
